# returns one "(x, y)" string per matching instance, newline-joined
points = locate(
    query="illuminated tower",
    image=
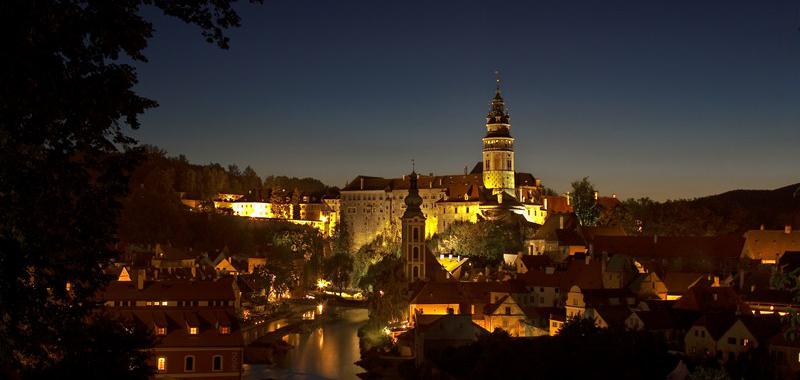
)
(413, 233)
(498, 148)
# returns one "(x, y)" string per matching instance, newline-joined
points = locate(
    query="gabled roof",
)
(714, 247)
(679, 282)
(170, 290)
(553, 223)
(711, 299)
(769, 244)
(534, 262)
(717, 324)
(557, 204)
(177, 321)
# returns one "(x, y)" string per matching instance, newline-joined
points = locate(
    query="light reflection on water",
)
(327, 352)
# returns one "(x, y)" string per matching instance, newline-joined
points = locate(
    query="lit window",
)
(192, 330)
(224, 330)
(163, 303)
(188, 363)
(162, 363)
(161, 331)
(216, 363)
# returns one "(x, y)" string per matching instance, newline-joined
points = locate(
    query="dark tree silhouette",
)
(66, 106)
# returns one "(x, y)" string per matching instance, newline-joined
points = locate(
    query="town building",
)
(195, 324)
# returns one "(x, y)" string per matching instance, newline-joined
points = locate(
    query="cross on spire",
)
(497, 79)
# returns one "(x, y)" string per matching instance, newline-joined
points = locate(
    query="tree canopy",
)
(67, 105)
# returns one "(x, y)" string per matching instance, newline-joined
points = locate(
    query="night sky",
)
(665, 99)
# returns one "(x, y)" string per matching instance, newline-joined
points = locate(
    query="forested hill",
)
(730, 212)
(206, 181)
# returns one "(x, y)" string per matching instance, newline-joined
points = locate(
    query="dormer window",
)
(193, 330)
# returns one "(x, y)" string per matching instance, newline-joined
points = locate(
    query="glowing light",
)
(162, 363)
(386, 331)
(320, 307)
(192, 330)
(323, 219)
(322, 284)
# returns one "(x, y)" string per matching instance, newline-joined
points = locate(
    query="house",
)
(726, 336)
(544, 287)
(594, 303)
(434, 334)
(785, 354)
(195, 324)
(525, 263)
(505, 313)
(678, 283)
(558, 237)
(648, 285)
(767, 246)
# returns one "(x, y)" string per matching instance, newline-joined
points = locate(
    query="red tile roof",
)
(171, 290)
(177, 321)
(717, 247)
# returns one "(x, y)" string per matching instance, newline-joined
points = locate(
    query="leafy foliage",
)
(66, 106)
(584, 203)
(337, 269)
(484, 242)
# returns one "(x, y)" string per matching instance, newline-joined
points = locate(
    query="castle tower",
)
(413, 233)
(498, 148)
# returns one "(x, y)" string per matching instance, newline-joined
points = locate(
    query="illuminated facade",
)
(372, 205)
(323, 215)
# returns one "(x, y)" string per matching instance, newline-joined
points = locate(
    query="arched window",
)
(416, 234)
(416, 253)
(216, 363)
(188, 363)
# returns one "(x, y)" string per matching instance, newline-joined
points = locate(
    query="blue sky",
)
(666, 99)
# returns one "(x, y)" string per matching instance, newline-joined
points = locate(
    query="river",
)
(327, 352)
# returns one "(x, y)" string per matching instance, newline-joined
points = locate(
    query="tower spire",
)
(497, 81)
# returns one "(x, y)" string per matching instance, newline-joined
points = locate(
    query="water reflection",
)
(328, 352)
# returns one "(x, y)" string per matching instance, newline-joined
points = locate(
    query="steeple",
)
(497, 112)
(413, 200)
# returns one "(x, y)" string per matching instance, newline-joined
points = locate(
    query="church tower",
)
(413, 233)
(498, 148)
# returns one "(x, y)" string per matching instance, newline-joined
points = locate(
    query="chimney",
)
(500, 197)
(561, 222)
(787, 229)
(362, 183)
(140, 279)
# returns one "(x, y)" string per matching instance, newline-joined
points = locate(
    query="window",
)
(225, 330)
(192, 330)
(488, 165)
(216, 363)
(731, 340)
(703, 333)
(188, 363)
(161, 330)
(745, 342)
(508, 310)
(416, 253)
(416, 234)
(161, 363)
(508, 164)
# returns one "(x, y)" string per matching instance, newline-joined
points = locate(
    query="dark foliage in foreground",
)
(66, 107)
(581, 351)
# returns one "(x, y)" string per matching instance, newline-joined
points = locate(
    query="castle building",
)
(493, 190)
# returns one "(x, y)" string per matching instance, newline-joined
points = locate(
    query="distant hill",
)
(730, 212)
(772, 208)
